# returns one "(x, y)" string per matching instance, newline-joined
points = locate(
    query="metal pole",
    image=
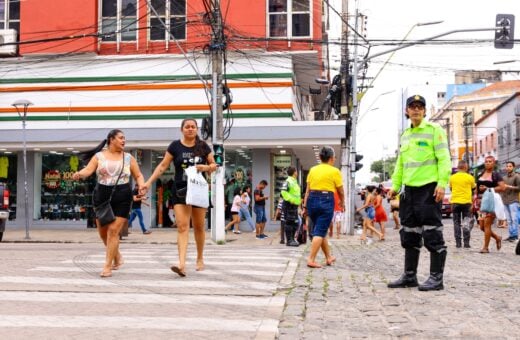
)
(217, 187)
(26, 195)
(354, 117)
(466, 135)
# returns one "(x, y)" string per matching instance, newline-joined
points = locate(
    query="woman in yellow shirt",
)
(322, 181)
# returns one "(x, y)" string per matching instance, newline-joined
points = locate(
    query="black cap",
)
(415, 99)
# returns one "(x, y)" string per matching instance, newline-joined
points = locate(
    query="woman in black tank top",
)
(489, 179)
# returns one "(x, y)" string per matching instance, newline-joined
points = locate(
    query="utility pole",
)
(467, 125)
(345, 155)
(354, 116)
(217, 46)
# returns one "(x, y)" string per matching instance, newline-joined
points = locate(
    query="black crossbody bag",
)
(104, 212)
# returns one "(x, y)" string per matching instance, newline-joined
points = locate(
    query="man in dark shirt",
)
(136, 209)
(510, 200)
(259, 209)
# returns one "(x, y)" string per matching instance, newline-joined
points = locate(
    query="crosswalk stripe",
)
(139, 283)
(202, 324)
(206, 262)
(162, 271)
(237, 257)
(133, 298)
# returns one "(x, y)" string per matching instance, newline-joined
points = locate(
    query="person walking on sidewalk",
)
(323, 179)
(462, 185)
(259, 208)
(423, 166)
(136, 209)
(244, 207)
(292, 198)
(113, 168)
(510, 199)
(188, 151)
(489, 178)
(235, 213)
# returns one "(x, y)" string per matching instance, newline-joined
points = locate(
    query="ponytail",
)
(86, 156)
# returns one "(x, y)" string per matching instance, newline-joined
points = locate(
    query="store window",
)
(10, 15)
(279, 176)
(173, 14)
(119, 20)
(62, 198)
(289, 18)
(161, 203)
(239, 173)
(8, 169)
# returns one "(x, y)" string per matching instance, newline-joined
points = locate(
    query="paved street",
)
(250, 290)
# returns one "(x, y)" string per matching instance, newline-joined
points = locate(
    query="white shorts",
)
(338, 216)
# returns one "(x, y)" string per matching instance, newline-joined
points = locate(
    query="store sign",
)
(52, 179)
(282, 161)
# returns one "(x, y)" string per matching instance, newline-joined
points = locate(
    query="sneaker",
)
(237, 232)
(264, 235)
(259, 237)
(512, 238)
(148, 232)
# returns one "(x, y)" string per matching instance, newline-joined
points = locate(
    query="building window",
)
(508, 134)
(289, 18)
(10, 15)
(119, 20)
(173, 14)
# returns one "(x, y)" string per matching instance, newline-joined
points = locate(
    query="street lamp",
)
(505, 61)
(21, 106)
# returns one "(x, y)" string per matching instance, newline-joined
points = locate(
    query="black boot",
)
(290, 230)
(409, 277)
(466, 234)
(282, 232)
(434, 282)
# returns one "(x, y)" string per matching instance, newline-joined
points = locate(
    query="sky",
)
(424, 69)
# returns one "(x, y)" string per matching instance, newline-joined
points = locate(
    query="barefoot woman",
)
(188, 151)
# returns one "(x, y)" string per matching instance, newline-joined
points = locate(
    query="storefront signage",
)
(52, 179)
(282, 161)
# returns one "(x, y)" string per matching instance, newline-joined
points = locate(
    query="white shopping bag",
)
(197, 193)
(499, 208)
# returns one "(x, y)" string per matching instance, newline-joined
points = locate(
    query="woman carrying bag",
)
(488, 179)
(112, 196)
(189, 151)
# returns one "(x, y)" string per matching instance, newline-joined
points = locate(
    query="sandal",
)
(313, 265)
(178, 271)
(484, 251)
(331, 260)
(105, 274)
(200, 266)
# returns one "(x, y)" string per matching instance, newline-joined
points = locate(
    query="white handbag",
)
(198, 189)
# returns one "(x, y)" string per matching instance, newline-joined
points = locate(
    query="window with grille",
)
(119, 20)
(10, 15)
(173, 14)
(289, 18)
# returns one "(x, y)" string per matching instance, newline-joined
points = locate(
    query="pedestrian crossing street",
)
(239, 295)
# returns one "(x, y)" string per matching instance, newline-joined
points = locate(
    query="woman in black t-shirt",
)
(188, 151)
(489, 179)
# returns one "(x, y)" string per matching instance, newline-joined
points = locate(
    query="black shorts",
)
(121, 199)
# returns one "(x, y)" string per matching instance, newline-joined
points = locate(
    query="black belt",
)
(321, 192)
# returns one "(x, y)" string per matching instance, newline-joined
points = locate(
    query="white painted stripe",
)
(163, 271)
(237, 257)
(213, 263)
(132, 298)
(202, 324)
(178, 283)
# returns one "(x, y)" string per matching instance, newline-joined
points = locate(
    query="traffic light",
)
(357, 165)
(218, 154)
(505, 31)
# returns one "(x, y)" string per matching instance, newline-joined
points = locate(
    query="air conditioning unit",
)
(8, 37)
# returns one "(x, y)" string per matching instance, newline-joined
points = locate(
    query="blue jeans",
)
(244, 213)
(137, 212)
(320, 207)
(260, 214)
(512, 221)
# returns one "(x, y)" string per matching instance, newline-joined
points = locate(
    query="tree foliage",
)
(386, 166)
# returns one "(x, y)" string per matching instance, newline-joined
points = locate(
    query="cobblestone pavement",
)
(350, 300)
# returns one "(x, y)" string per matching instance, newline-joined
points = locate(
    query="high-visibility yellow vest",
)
(423, 158)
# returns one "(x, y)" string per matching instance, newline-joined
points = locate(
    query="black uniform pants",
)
(421, 219)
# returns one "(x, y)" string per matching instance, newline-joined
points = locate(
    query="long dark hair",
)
(87, 155)
(199, 143)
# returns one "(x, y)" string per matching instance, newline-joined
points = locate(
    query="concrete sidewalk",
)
(90, 235)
